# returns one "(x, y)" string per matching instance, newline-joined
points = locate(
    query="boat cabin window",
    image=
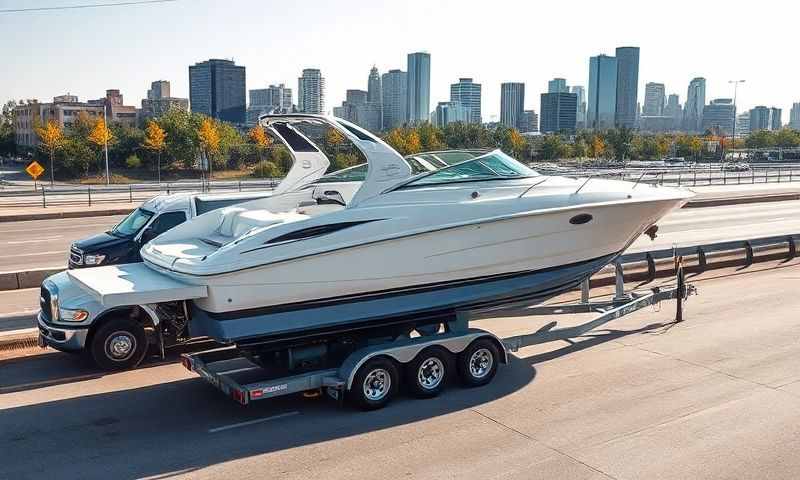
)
(352, 174)
(295, 141)
(493, 166)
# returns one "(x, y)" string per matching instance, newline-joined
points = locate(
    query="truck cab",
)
(121, 244)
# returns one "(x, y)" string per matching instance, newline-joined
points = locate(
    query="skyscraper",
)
(580, 114)
(374, 86)
(557, 85)
(743, 124)
(311, 91)
(653, 99)
(558, 112)
(674, 111)
(695, 102)
(718, 116)
(602, 92)
(468, 94)
(530, 121)
(512, 103)
(775, 122)
(217, 89)
(418, 105)
(273, 99)
(759, 118)
(794, 116)
(450, 112)
(395, 98)
(627, 86)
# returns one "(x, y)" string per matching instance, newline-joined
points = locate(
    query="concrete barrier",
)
(24, 217)
(9, 281)
(26, 279)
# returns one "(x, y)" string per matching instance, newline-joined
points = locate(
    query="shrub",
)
(267, 170)
(133, 161)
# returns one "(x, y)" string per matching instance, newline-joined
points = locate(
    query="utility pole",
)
(733, 134)
(105, 142)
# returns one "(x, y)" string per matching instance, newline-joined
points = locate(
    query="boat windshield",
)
(351, 174)
(131, 224)
(492, 166)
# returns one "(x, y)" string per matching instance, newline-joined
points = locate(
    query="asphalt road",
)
(717, 396)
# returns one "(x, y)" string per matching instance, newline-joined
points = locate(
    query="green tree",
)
(7, 141)
(553, 147)
(620, 141)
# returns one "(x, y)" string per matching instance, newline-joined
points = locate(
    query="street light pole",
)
(105, 144)
(733, 134)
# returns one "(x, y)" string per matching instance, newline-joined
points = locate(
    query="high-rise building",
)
(580, 114)
(467, 93)
(450, 112)
(743, 124)
(759, 118)
(273, 99)
(602, 92)
(512, 103)
(395, 92)
(695, 103)
(217, 89)
(627, 86)
(374, 86)
(558, 112)
(530, 121)
(159, 101)
(718, 116)
(311, 91)
(418, 105)
(794, 116)
(358, 109)
(775, 122)
(557, 85)
(653, 99)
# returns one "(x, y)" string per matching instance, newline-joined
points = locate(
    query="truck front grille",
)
(75, 256)
(44, 303)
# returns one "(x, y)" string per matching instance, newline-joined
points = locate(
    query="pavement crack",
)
(549, 447)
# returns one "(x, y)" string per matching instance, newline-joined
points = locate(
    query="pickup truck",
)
(122, 243)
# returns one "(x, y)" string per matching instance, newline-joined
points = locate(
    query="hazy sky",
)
(86, 51)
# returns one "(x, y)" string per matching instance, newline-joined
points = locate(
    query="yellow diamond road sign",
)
(34, 169)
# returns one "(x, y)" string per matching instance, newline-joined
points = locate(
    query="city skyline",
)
(177, 34)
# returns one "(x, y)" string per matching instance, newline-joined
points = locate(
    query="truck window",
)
(166, 221)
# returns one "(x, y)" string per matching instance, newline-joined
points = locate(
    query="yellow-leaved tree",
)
(102, 136)
(262, 142)
(518, 143)
(334, 139)
(598, 146)
(155, 140)
(52, 138)
(413, 142)
(208, 134)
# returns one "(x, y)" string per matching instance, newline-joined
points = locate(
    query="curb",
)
(57, 215)
(26, 279)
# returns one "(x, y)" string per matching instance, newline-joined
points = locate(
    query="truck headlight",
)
(68, 315)
(93, 259)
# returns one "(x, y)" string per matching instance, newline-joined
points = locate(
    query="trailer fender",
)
(403, 351)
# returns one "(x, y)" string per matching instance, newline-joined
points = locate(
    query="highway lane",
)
(45, 243)
(717, 396)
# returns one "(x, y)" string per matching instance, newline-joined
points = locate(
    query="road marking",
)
(64, 227)
(34, 254)
(251, 422)
(46, 239)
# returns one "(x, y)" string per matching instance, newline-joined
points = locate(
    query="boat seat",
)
(240, 221)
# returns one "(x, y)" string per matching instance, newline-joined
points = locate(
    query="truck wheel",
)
(477, 364)
(374, 384)
(120, 344)
(426, 374)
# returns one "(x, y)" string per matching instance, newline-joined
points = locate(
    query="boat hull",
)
(435, 301)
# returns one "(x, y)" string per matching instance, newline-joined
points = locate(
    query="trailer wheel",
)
(477, 364)
(374, 384)
(426, 374)
(120, 344)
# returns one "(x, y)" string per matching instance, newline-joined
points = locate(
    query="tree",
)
(259, 137)
(580, 149)
(413, 143)
(517, 143)
(552, 147)
(101, 136)
(334, 138)
(155, 140)
(397, 140)
(209, 141)
(598, 146)
(52, 138)
(7, 142)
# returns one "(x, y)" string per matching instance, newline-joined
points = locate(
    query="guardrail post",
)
(130, 193)
(240, 185)
(681, 291)
(694, 181)
(724, 177)
(753, 176)
(89, 191)
(679, 179)
(701, 259)
(792, 248)
(748, 249)
(44, 199)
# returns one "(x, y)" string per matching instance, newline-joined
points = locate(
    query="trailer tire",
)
(477, 364)
(375, 384)
(119, 344)
(427, 373)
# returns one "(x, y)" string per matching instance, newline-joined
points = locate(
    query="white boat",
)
(402, 244)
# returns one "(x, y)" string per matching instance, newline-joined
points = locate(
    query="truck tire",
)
(375, 384)
(427, 373)
(119, 344)
(477, 364)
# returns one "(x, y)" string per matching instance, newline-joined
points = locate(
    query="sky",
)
(86, 51)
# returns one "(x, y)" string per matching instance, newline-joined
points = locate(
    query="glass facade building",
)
(418, 104)
(217, 89)
(627, 87)
(512, 104)
(602, 92)
(467, 93)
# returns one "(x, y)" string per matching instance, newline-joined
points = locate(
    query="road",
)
(44, 243)
(717, 396)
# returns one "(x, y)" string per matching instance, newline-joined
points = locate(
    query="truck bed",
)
(133, 284)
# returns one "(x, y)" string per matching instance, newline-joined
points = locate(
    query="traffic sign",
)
(34, 169)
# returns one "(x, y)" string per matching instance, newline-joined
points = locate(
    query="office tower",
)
(273, 99)
(794, 116)
(418, 105)
(759, 118)
(743, 124)
(602, 92)
(395, 92)
(674, 111)
(450, 112)
(580, 114)
(775, 122)
(558, 112)
(695, 102)
(374, 86)
(653, 99)
(512, 103)
(627, 86)
(718, 116)
(468, 93)
(557, 85)
(217, 89)
(530, 121)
